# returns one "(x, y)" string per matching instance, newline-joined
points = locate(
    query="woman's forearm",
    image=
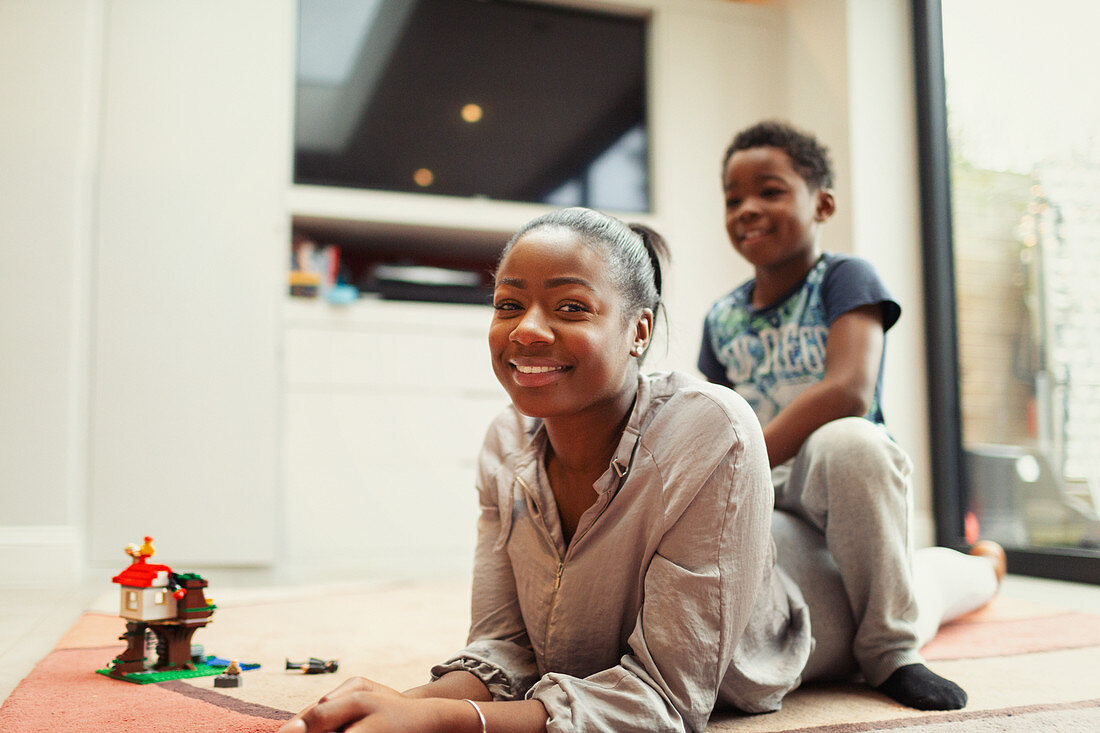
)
(453, 685)
(519, 716)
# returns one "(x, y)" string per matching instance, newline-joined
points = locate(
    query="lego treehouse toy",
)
(169, 605)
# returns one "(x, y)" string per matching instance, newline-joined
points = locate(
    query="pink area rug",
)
(63, 693)
(1026, 668)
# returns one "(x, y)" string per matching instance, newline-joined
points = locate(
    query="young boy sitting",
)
(803, 342)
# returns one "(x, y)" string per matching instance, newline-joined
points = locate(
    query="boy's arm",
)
(708, 362)
(853, 353)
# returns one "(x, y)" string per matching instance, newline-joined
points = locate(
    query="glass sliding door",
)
(1009, 119)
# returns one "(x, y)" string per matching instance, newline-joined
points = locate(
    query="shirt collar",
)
(628, 443)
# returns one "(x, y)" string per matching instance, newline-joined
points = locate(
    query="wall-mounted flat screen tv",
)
(517, 101)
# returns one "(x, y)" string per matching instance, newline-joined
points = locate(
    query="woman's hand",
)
(364, 706)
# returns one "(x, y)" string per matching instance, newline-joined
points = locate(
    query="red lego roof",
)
(140, 574)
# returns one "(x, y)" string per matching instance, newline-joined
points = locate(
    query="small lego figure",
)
(314, 665)
(232, 676)
(141, 554)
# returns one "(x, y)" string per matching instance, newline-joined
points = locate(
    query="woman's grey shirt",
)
(666, 602)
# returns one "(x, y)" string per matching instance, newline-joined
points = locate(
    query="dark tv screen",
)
(517, 101)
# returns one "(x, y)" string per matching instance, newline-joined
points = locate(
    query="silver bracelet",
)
(480, 715)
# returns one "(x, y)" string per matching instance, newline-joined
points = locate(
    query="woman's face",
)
(560, 342)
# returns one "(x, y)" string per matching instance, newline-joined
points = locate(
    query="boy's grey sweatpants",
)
(842, 534)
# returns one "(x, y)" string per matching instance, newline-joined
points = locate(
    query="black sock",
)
(919, 687)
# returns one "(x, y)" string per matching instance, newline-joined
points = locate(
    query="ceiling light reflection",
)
(472, 112)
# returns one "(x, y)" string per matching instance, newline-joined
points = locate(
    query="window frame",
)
(949, 478)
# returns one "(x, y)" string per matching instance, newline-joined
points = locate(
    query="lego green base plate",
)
(144, 678)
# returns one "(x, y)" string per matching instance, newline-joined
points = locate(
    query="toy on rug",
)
(231, 678)
(314, 665)
(170, 605)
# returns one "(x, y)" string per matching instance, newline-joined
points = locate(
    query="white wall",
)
(886, 216)
(49, 86)
(850, 81)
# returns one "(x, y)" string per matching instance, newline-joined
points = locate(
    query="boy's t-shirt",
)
(769, 356)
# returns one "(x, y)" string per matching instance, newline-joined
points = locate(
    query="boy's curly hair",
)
(809, 157)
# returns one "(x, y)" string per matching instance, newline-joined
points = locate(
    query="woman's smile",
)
(537, 375)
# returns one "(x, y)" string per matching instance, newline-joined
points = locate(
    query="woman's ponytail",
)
(655, 247)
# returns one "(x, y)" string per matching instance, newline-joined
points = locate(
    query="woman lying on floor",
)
(625, 575)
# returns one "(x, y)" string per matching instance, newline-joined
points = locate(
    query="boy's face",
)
(772, 216)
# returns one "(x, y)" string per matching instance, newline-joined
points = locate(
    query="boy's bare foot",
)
(919, 687)
(993, 552)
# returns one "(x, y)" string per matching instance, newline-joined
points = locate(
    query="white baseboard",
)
(39, 556)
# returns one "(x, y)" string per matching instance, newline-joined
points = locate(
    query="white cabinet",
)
(385, 407)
